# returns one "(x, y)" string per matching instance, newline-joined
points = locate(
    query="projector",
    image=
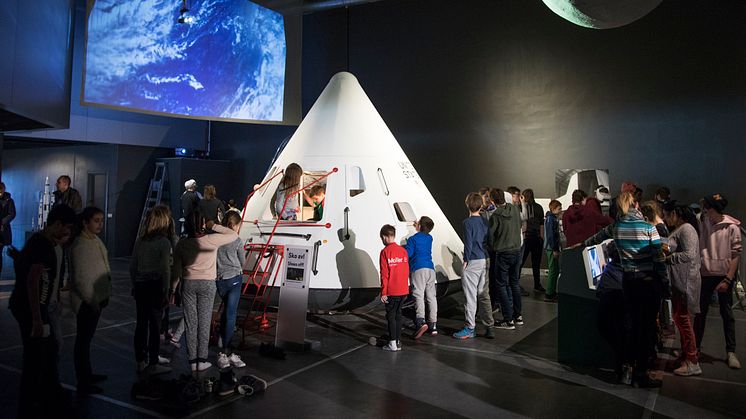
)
(188, 152)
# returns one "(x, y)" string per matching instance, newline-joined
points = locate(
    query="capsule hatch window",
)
(310, 201)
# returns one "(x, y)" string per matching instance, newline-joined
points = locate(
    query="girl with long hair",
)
(150, 271)
(289, 186)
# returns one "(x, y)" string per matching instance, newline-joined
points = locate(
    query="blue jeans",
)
(508, 266)
(229, 290)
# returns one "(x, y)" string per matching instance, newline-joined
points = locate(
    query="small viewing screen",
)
(594, 262)
(225, 60)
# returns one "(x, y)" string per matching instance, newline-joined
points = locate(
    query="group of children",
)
(492, 235)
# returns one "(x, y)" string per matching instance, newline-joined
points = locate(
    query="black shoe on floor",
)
(550, 298)
(646, 382)
(489, 333)
(539, 288)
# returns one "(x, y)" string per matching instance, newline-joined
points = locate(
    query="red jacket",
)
(580, 222)
(394, 271)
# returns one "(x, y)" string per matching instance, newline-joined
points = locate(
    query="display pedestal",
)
(293, 306)
(578, 339)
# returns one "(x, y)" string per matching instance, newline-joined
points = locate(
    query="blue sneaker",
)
(465, 333)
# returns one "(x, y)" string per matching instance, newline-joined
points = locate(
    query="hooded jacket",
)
(718, 244)
(580, 222)
(505, 229)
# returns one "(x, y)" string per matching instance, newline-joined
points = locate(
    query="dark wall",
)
(35, 59)
(129, 170)
(506, 92)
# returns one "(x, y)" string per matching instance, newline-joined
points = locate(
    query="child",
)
(474, 280)
(288, 186)
(420, 250)
(316, 199)
(552, 247)
(394, 264)
(229, 268)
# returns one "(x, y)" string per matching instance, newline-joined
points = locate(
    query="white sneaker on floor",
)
(223, 361)
(158, 369)
(732, 360)
(203, 366)
(141, 366)
(236, 361)
(687, 369)
(163, 360)
(391, 346)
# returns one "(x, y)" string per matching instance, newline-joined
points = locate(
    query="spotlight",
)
(184, 16)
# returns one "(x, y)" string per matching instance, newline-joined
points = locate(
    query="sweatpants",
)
(477, 293)
(553, 264)
(423, 283)
(725, 303)
(393, 316)
(198, 297)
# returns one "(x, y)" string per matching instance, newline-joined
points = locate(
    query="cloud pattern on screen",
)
(229, 63)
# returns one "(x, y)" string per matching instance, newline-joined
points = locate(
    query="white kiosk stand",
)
(293, 304)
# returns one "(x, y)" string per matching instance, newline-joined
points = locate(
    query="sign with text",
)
(291, 315)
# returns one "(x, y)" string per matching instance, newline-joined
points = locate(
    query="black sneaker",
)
(518, 320)
(539, 288)
(550, 298)
(504, 324)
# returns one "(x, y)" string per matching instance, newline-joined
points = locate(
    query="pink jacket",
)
(195, 258)
(718, 244)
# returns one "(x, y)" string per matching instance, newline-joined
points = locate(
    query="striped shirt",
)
(638, 242)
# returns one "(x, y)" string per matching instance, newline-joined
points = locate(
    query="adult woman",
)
(150, 271)
(210, 207)
(720, 247)
(90, 292)
(684, 265)
(195, 263)
(642, 260)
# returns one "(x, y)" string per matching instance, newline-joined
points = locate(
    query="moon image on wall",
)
(602, 14)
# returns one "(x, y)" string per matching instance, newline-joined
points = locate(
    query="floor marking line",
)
(101, 397)
(277, 380)
(316, 364)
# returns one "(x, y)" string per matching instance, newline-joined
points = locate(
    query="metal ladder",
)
(154, 194)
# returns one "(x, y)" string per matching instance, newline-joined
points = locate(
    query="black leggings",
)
(149, 301)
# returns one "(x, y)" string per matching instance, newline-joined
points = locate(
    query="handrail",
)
(248, 197)
(277, 222)
(289, 223)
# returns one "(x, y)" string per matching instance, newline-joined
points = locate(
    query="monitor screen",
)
(594, 262)
(218, 60)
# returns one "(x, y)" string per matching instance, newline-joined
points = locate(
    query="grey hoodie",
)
(505, 229)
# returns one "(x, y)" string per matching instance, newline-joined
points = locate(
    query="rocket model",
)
(374, 184)
(45, 205)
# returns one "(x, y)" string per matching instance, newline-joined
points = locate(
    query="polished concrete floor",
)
(514, 375)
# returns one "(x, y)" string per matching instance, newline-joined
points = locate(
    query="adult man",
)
(7, 214)
(67, 195)
(37, 287)
(189, 206)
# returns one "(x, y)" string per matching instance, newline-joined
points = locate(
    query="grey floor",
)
(515, 375)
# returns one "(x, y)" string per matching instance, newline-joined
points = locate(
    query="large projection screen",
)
(235, 61)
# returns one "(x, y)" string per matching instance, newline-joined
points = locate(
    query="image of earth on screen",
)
(228, 63)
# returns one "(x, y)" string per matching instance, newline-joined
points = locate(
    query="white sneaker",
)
(163, 361)
(223, 361)
(203, 366)
(391, 346)
(236, 361)
(732, 360)
(141, 366)
(687, 369)
(158, 369)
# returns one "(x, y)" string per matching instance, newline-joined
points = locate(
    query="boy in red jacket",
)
(394, 263)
